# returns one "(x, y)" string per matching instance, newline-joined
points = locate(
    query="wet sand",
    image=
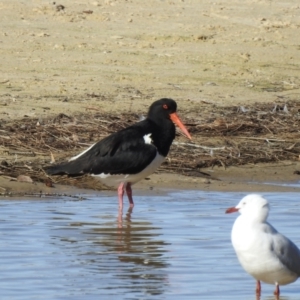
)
(256, 178)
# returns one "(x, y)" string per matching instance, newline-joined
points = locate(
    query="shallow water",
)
(175, 246)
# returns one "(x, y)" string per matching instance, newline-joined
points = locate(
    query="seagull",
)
(263, 252)
(129, 155)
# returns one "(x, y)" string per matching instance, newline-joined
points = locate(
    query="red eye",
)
(165, 106)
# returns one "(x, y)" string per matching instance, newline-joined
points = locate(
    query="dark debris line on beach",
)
(228, 136)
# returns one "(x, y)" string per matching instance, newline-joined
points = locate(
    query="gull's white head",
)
(252, 206)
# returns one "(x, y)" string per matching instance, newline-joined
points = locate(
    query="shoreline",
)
(248, 179)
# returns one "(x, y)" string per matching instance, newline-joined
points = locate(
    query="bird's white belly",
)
(282, 277)
(266, 268)
(116, 179)
(258, 258)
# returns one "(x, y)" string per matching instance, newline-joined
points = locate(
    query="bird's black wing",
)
(123, 152)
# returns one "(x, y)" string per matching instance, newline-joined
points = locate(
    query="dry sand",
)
(118, 56)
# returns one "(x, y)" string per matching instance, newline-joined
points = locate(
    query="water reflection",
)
(273, 298)
(127, 249)
(177, 246)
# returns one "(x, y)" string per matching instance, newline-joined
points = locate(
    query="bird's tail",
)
(70, 168)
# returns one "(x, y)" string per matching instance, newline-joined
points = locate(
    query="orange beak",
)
(177, 121)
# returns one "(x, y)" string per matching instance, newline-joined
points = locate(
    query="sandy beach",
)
(118, 57)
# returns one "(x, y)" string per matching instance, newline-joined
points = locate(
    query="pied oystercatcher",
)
(129, 155)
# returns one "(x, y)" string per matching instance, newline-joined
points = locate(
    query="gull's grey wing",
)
(287, 252)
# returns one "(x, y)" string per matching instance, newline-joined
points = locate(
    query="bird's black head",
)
(164, 110)
(162, 107)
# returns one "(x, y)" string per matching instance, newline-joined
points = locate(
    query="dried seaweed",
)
(228, 136)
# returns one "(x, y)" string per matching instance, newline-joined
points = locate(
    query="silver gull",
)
(262, 251)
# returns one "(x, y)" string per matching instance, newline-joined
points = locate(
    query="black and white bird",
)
(129, 155)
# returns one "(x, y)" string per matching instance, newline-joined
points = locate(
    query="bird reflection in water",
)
(274, 297)
(123, 253)
(137, 246)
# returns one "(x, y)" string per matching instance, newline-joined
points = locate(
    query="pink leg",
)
(120, 195)
(129, 194)
(258, 287)
(277, 291)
